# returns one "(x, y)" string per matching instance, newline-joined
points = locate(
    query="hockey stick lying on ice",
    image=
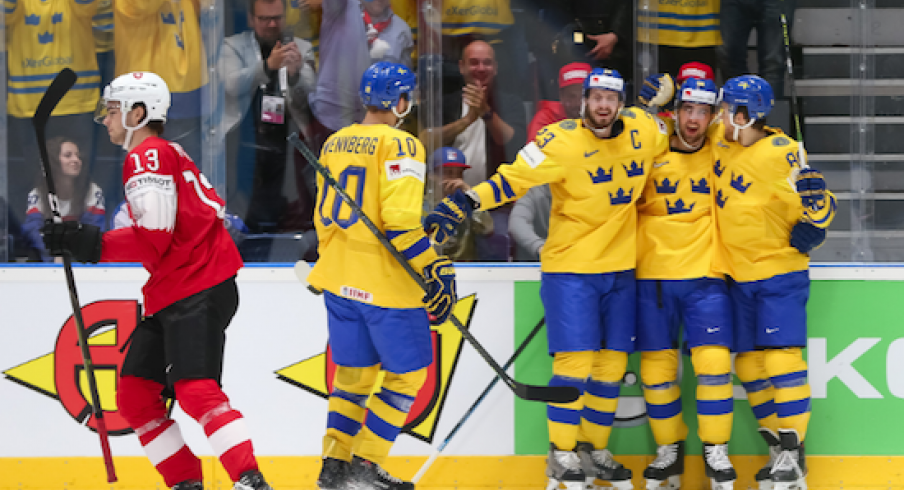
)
(57, 90)
(547, 394)
(486, 391)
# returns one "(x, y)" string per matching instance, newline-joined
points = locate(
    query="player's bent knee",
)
(658, 367)
(135, 397)
(749, 366)
(783, 361)
(408, 383)
(609, 365)
(356, 379)
(711, 360)
(197, 397)
(577, 365)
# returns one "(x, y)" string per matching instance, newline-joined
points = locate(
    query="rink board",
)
(276, 375)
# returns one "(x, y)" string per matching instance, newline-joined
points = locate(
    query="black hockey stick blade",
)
(547, 394)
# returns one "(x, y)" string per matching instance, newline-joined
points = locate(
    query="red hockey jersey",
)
(177, 230)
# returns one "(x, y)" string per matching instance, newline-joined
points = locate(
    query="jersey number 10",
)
(331, 201)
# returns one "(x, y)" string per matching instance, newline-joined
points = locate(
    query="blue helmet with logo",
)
(749, 91)
(605, 79)
(384, 83)
(698, 91)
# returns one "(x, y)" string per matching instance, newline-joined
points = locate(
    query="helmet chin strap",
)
(681, 138)
(738, 128)
(402, 115)
(129, 129)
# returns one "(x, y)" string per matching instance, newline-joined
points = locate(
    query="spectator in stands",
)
(449, 164)
(529, 223)
(164, 37)
(684, 32)
(571, 80)
(344, 56)
(487, 124)
(388, 36)
(38, 32)
(269, 79)
(78, 197)
(738, 18)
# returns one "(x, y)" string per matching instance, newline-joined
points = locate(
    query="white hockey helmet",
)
(133, 88)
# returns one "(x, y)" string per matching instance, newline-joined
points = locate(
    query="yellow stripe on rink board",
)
(448, 472)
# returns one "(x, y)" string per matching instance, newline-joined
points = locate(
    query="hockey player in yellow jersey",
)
(680, 298)
(376, 312)
(771, 210)
(596, 168)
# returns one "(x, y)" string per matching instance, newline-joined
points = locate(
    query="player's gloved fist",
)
(806, 236)
(657, 90)
(811, 186)
(448, 214)
(441, 295)
(82, 241)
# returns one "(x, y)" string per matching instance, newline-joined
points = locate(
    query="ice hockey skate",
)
(564, 467)
(334, 475)
(665, 471)
(367, 475)
(721, 473)
(189, 485)
(600, 465)
(252, 480)
(790, 469)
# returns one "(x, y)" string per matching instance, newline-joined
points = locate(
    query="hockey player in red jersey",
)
(177, 233)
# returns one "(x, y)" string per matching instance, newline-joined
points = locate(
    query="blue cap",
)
(449, 156)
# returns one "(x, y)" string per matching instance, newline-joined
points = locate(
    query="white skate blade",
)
(765, 485)
(594, 484)
(671, 483)
(800, 484)
(564, 485)
(725, 485)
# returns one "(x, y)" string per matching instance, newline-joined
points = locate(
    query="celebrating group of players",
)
(697, 231)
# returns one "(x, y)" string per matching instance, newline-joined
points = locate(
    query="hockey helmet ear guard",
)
(130, 89)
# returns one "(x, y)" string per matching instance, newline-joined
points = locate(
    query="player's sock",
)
(659, 374)
(141, 405)
(715, 396)
(788, 373)
(760, 393)
(388, 410)
(347, 406)
(204, 401)
(563, 419)
(601, 397)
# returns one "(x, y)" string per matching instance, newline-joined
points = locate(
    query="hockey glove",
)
(806, 236)
(82, 241)
(441, 296)
(812, 188)
(448, 214)
(657, 90)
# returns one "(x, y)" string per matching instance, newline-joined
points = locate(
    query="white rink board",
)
(278, 324)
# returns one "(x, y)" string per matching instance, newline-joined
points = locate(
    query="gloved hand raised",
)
(442, 222)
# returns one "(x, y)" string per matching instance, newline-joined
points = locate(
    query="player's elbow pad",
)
(414, 245)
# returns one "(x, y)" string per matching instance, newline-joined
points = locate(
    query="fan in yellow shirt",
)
(676, 287)
(771, 210)
(596, 168)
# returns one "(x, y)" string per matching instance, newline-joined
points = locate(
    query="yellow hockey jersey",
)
(682, 24)
(675, 222)
(42, 38)
(595, 184)
(462, 17)
(757, 205)
(163, 36)
(383, 169)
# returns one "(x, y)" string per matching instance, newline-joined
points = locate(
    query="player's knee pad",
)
(198, 397)
(711, 360)
(749, 366)
(406, 383)
(779, 362)
(609, 365)
(575, 365)
(659, 367)
(139, 400)
(358, 380)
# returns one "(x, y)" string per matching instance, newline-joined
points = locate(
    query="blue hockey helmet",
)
(748, 91)
(605, 79)
(384, 83)
(698, 91)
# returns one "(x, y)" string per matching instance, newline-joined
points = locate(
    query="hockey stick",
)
(801, 155)
(302, 269)
(57, 90)
(486, 391)
(547, 394)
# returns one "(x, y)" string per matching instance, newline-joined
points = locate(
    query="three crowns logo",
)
(718, 168)
(168, 18)
(665, 187)
(32, 20)
(635, 170)
(679, 207)
(601, 175)
(700, 186)
(57, 18)
(738, 183)
(315, 374)
(620, 197)
(45, 38)
(720, 199)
